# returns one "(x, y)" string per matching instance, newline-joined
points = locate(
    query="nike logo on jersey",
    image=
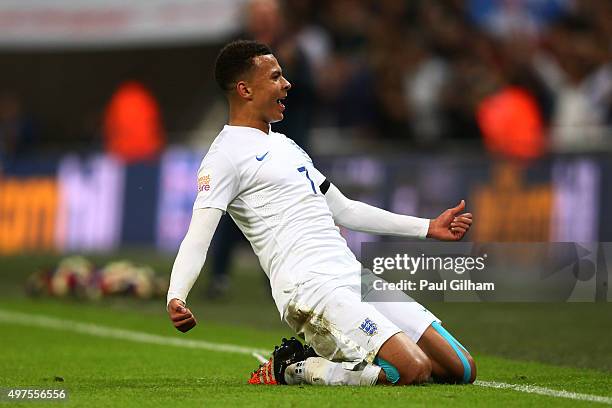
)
(263, 156)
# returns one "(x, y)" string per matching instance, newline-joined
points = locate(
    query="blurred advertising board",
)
(99, 204)
(178, 190)
(557, 200)
(90, 204)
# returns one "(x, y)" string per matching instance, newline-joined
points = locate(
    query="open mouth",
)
(280, 103)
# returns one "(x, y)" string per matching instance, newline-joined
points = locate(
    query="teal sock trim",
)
(391, 372)
(452, 337)
(467, 370)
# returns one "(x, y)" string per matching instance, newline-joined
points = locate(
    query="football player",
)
(288, 211)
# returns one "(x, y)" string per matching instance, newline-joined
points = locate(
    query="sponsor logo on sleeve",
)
(204, 182)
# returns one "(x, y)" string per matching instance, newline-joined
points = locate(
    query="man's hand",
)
(450, 225)
(181, 317)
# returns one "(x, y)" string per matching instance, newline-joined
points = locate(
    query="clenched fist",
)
(181, 316)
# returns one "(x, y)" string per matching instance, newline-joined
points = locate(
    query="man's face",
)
(268, 87)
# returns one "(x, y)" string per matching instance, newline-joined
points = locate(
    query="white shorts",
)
(342, 328)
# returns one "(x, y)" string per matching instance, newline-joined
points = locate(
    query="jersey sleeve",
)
(217, 182)
(318, 178)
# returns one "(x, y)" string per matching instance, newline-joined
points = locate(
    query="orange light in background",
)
(511, 124)
(132, 124)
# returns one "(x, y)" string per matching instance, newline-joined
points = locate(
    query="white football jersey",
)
(270, 188)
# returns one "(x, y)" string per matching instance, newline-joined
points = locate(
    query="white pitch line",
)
(121, 334)
(533, 389)
(26, 319)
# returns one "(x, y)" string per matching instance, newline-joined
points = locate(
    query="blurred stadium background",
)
(107, 108)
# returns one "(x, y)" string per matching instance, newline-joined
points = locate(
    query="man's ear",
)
(243, 90)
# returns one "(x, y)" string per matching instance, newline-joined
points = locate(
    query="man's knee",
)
(409, 361)
(417, 372)
(454, 363)
(463, 372)
(472, 364)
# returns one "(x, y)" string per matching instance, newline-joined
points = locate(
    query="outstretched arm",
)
(358, 216)
(188, 264)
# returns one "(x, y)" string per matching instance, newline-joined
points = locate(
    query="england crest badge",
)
(369, 327)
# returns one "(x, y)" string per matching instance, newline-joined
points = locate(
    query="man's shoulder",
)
(282, 137)
(223, 138)
(278, 135)
(231, 147)
(237, 137)
(229, 141)
(219, 149)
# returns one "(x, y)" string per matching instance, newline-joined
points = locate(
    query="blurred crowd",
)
(522, 76)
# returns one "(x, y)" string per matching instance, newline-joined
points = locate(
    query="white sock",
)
(319, 371)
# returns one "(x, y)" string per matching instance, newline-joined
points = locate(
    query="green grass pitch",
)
(559, 347)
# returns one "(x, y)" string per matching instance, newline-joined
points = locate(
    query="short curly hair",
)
(235, 59)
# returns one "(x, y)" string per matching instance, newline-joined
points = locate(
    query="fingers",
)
(459, 227)
(183, 321)
(175, 317)
(177, 306)
(461, 222)
(181, 317)
(185, 325)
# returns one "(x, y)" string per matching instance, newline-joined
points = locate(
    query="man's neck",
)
(248, 120)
